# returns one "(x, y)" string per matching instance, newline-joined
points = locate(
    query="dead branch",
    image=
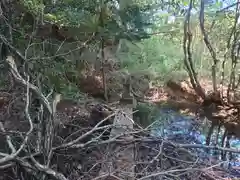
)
(176, 145)
(48, 170)
(39, 167)
(15, 153)
(95, 128)
(50, 109)
(12, 48)
(19, 79)
(8, 139)
(179, 171)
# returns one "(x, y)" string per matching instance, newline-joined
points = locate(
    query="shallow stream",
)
(186, 129)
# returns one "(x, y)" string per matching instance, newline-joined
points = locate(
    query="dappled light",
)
(125, 90)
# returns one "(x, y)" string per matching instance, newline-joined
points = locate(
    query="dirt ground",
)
(76, 118)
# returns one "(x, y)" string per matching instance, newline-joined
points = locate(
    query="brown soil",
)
(181, 96)
(75, 116)
(178, 95)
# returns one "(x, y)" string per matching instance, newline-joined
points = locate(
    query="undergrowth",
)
(145, 114)
(164, 58)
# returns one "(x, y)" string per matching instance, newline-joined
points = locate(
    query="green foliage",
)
(145, 114)
(127, 20)
(36, 7)
(160, 54)
(163, 53)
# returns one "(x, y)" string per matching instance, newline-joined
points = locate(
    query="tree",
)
(221, 54)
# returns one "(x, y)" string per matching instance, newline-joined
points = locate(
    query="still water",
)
(179, 128)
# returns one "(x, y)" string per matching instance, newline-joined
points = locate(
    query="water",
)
(185, 129)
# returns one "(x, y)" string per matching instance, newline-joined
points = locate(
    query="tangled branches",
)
(82, 155)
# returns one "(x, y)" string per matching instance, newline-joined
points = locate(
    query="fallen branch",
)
(176, 145)
(179, 170)
(95, 128)
(50, 109)
(8, 139)
(15, 153)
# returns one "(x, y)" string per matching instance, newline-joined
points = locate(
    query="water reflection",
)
(180, 128)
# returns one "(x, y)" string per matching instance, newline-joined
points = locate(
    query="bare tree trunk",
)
(187, 40)
(234, 54)
(101, 23)
(209, 46)
(103, 71)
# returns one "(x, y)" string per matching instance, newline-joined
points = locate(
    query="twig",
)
(8, 138)
(86, 134)
(179, 170)
(176, 145)
(22, 81)
(228, 7)
(48, 170)
(13, 155)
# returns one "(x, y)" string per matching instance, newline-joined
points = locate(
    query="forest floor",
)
(78, 118)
